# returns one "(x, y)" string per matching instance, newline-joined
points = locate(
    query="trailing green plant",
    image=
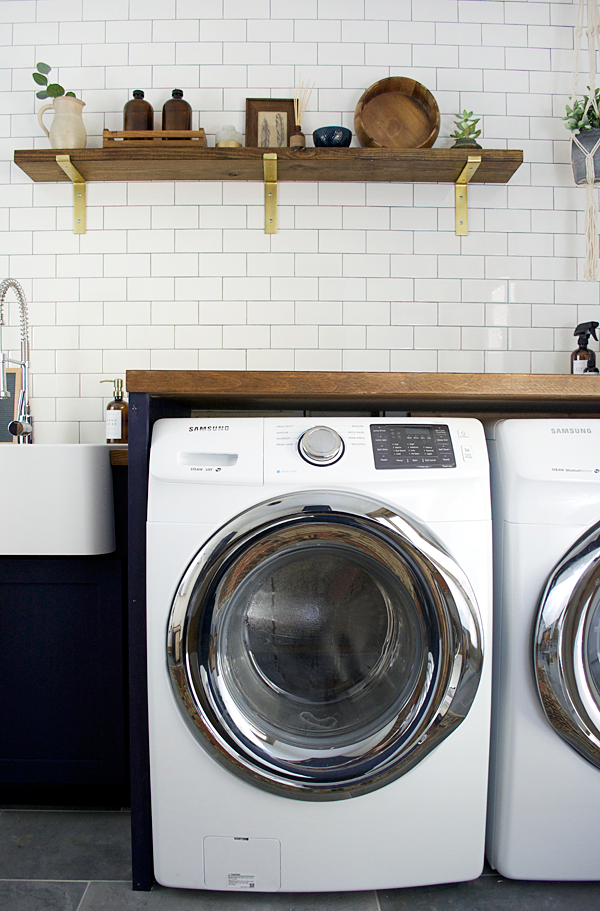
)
(578, 118)
(465, 126)
(52, 89)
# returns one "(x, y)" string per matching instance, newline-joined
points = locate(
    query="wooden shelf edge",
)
(425, 391)
(318, 164)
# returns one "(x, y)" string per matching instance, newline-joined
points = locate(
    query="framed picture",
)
(269, 122)
(10, 406)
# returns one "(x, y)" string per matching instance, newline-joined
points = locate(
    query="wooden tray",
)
(119, 138)
(397, 113)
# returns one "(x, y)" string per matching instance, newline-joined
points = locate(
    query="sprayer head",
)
(584, 330)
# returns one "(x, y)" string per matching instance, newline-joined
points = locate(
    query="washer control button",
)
(321, 446)
(467, 453)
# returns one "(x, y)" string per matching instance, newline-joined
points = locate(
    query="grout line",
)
(377, 901)
(85, 892)
(121, 810)
(46, 879)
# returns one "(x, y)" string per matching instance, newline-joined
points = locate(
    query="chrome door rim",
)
(448, 680)
(569, 601)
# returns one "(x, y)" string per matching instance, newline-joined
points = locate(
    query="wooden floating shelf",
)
(319, 164)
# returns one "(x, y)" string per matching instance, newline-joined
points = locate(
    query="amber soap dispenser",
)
(117, 415)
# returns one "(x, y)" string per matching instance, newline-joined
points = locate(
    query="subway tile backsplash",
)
(177, 275)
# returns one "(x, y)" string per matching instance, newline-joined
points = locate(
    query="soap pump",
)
(117, 415)
(583, 360)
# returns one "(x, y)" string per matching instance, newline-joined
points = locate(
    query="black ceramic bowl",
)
(332, 136)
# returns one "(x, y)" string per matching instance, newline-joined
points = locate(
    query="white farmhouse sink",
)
(56, 499)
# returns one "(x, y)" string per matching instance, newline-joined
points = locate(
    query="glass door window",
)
(320, 649)
(567, 647)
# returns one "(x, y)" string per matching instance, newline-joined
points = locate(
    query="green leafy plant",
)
(577, 118)
(465, 126)
(51, 90)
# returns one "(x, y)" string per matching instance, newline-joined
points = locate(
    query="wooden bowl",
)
(397, 113)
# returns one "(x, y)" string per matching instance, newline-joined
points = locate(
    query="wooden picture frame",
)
(9, 407)
(275, 129)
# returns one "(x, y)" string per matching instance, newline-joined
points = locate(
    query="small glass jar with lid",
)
(228, 138)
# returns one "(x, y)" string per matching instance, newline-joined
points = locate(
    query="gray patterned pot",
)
(588, 139)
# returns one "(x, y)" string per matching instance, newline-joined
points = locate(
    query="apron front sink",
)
(56, 499)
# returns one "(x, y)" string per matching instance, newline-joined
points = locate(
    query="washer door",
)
(320, 645)
(567, 647)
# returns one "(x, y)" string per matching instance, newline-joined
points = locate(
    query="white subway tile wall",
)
(360, 276)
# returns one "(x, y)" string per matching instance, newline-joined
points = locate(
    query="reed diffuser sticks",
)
(302, 95)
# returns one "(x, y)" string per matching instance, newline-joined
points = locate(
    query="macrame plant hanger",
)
(590, 271)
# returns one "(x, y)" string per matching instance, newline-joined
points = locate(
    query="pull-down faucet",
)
(22, 426)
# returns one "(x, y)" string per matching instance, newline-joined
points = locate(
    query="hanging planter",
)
(585, 160)
(583, 120)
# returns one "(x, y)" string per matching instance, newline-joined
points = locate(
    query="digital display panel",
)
(412, 446)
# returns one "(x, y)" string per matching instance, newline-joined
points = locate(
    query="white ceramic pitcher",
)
(67, 130)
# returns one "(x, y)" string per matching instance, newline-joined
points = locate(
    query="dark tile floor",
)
(79, 860)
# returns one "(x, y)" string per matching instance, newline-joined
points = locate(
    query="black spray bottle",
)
(583, 360)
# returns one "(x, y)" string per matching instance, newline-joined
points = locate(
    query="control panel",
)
(412, 446)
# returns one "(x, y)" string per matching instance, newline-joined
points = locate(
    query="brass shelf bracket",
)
(270, 172)
(460, 194)
(64, 162)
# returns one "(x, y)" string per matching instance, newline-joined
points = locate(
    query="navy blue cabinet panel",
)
(62, 710)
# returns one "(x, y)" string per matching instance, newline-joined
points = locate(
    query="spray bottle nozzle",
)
(584, 330)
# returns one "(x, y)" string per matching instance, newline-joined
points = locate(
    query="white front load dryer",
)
(319, 624)
(544, 798)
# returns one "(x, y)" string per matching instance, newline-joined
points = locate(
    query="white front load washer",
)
(319, 624)
(544, 797)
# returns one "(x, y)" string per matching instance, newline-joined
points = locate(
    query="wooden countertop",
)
(489, 393)
(119, 457)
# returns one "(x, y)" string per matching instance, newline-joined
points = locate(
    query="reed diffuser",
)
(302, 95)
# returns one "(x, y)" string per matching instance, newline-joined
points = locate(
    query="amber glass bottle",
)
(137, 113)
(583, 360)
(117, 415)
(176, 113)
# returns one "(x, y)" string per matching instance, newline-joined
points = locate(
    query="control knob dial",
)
(321, 445)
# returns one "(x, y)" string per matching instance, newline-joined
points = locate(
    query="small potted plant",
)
(582, 119)
(466, 133)
(67, 130)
